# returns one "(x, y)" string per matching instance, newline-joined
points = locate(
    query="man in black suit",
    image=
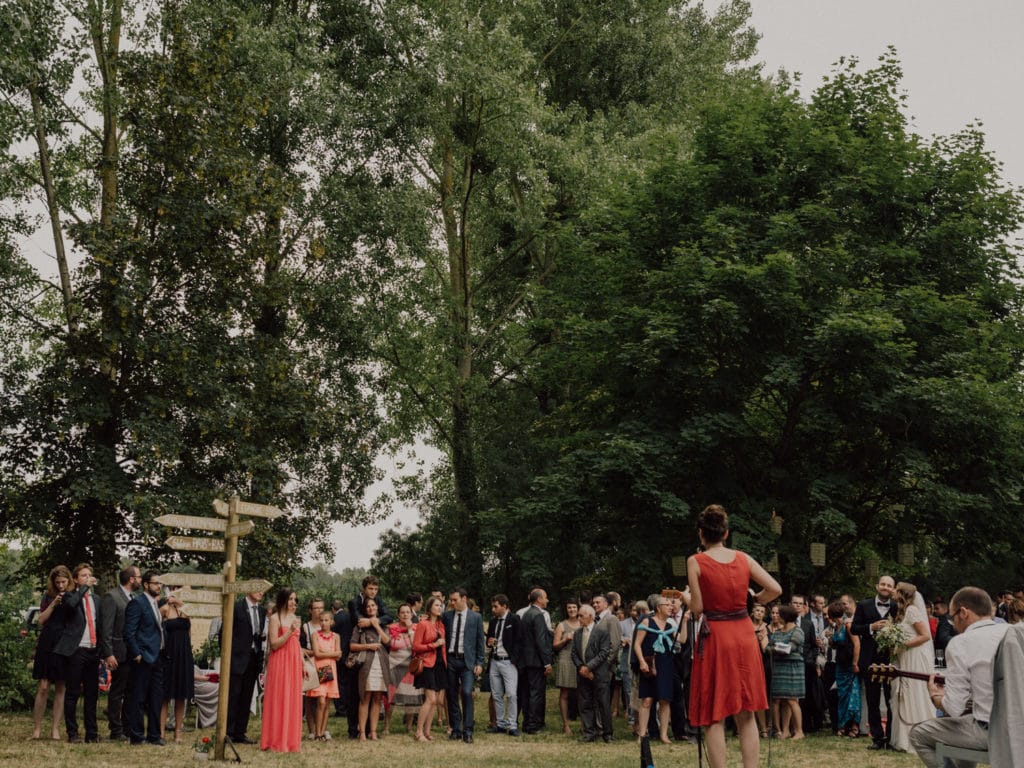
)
(871, 615)
(348, 679)
(592, 653)
(464, 635)
(112, 647)
(78, 645)
(503, 640)
(247, 647)
(143, 634)
(944, 630)
(536, 658)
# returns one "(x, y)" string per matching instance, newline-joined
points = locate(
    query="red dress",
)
(282, 698)
(730, 676)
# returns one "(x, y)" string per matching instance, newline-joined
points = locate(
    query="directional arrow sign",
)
(198, 596)
(191, 521)
(248, 508)
(243, 528)
(203, 610)
(193, 579)
(252, 585)
(195, 544)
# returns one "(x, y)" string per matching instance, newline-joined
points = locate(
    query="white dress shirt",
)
(968, 676)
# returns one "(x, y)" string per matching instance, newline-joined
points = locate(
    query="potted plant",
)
(201, 748)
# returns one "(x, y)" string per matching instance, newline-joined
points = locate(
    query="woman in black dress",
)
(178, 664)
(652, 643)
(48, 667)
(428, 644)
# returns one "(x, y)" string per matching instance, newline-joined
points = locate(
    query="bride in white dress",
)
(910, 702)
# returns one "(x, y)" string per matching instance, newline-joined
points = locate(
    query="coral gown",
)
(730, 676)
(282, 698)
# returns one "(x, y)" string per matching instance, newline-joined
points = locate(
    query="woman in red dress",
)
(282, 698)
(728, 676)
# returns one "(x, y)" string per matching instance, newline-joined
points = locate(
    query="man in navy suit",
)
(78, 644)
(143, 634)
(464, 633)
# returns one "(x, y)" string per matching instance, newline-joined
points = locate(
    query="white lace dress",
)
(910, 702)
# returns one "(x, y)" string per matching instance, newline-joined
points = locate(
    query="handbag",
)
(652, 670)
(325, 674)
(416, 665)
(310, 678)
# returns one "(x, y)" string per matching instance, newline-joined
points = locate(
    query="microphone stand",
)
(693, 655)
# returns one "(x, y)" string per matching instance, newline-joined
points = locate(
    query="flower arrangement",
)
(891, 639)
(201, 748)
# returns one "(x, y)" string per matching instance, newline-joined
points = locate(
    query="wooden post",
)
(227, 629)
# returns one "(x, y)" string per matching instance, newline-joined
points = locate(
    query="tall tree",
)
(484, 141)
(212, 347)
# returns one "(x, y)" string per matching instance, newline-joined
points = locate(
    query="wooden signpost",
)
(219, 596)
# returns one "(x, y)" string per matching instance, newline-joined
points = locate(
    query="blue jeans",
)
(504, 681)
(460, 690)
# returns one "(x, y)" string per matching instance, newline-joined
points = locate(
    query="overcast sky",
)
(962, 63)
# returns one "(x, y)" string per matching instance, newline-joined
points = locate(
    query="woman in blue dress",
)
(847, 647)
(652, 647)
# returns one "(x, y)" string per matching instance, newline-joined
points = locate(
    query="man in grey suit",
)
(464, 634)
(112, 647)
(592, 653)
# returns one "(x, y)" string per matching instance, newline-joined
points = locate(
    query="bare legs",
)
(179, 718)
(39, 708)
(790, 714)
(426, 715)
(563, 706)
(664, 708)
(321, 716)
(369, 707)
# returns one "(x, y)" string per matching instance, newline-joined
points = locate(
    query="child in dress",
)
(326, 652)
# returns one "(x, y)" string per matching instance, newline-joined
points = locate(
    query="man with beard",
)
(871, 615)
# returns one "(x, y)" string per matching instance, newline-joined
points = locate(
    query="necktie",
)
(498, 631)
(87, 603)
(255, 628)
(455, 634)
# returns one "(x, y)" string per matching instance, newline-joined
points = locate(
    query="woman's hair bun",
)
(713, 522)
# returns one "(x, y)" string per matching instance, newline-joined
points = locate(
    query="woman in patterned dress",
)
(375, 672)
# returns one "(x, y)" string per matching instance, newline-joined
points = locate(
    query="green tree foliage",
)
(208, 341)
(806, 309)
(486, 122)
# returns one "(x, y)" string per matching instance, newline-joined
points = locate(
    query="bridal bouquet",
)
(891, 639)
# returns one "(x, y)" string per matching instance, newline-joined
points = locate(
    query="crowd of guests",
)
(771, 669)
(132, 636)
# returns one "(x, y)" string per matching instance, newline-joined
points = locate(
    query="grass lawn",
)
(494, 751)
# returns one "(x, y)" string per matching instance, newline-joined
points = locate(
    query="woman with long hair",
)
(728, 670)
(847, 648)
(428, 643)
(565, 670)
(757, 614)
(910, 701)
(48, 667)
(282, 696)
(375, 672)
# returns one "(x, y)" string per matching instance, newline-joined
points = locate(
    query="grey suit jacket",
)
(598, 655)
(110, 641)
(75, 621)
(1005, 736)
(472, 636)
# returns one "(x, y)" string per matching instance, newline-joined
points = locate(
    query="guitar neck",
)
(888, 671)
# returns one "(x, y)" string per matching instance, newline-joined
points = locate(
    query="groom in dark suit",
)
(464, 633)
(143, 634)
(871, 615)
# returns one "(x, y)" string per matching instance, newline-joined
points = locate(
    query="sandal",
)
(854, 731)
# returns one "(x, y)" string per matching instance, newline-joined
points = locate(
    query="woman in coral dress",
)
(282, 697)
(728, 676)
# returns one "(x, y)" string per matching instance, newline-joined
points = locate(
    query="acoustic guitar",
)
(881, 673)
